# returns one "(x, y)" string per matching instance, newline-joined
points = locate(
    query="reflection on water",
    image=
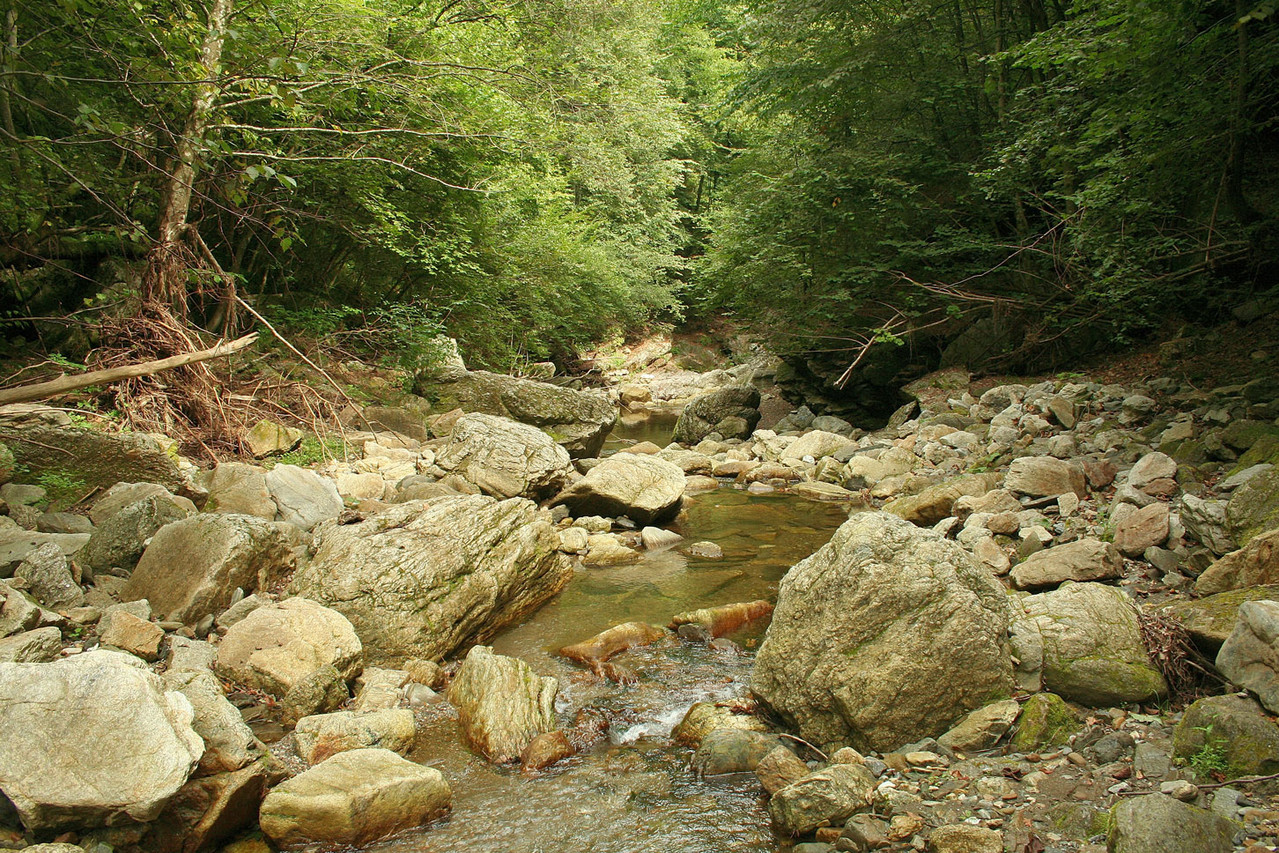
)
(631, 429)
(633, 793)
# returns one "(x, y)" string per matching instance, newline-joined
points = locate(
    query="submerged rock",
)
(845, 659)
(354, 798)
(423, 579)
(502, 704)
(90, 740)
(723, 619)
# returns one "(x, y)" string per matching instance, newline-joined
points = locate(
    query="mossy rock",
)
(1046, 720)
(1254, 507)
(1210, 620)
(1188, 451)
(1244, 739)
(1266, 450)
(6, 463)
(1245, 435)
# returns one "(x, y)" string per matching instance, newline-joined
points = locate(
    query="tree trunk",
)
(165, 281)
(1239, 204)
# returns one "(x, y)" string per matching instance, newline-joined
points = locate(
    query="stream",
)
(634, 791)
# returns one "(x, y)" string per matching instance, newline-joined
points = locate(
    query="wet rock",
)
(655, 538)
(278, 646)
(1235, 729)
(604, 645)
(983, 728)
(705, 717)
(964, 838)
(238, 489)
(322, 735)
(210, 809)
(1145, 528)
(1082, 560)
(723, 619)
(844, 660)
(354, 798)
(49, 578)
(192, 567)
(229, 744)
(605, 549)
(1044, 476)
(128, 633)
(1250, 655)
(1255, 564)
(133, 748)
(502, 704)
(546, 749)
(780, 768)
(39, 646)
(732, 750)
(504, 458)
(425, 579)
(119, 541)
(732, 412)
(830, 796)
(304, 497)
(646, 489)
(1159, 824)
(937, 502)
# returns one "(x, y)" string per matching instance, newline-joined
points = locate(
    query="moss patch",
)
(1046, 720)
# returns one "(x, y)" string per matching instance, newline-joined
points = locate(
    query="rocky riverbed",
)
(1047, 623)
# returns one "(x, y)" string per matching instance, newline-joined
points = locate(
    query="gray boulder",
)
(501, 704)
(1081, 560)
(93, 457)
(229, 743)
(426, 579)
(1092, 651)
(735, 409)
(353, 799)
(578, 420)
(118, 542)
(1255, 564)
(39, 646)
(1254, 507)
(17, 544)
(304, 497)
(1045, 476)
(17, 612)
(1205, 521)
(845, 660)
(92, 739)
(239, 489)
(646, 489)
(192, 567)
(49, 578)
(278, 647)
(506, 459)
(827, 797)
(1158, 823)
(1250, 655)
(121, 495)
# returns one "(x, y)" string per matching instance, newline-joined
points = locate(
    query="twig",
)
(822, 755)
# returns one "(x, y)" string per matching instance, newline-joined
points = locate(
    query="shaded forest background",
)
(1003, 183)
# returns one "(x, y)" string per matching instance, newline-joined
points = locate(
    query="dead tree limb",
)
(64, 384)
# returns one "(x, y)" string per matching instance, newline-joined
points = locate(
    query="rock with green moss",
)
(1265, 451)
(6, 463)
(847, 659)
(1210, 620)
(1227, 734)
(89, 458)
(1159, 824)
(578, 420)
(1254, 507)
(1046, 720)
(1092, 647)
(1255, 564)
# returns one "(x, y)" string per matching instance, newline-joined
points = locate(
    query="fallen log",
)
(66, 384)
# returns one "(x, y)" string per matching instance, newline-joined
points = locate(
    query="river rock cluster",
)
(983, 658)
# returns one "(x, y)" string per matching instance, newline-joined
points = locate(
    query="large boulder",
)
(646, 489)
(1160, 824)
(1081, 560)
(938, 501)
(827, 797)
(1092, 651)
(278, 646)
(92, 739)
(1045, 476)
(304, 497)
(237, 488)
(1210, 620)
(94, 458)
(192, 567)
(1250, 655)
(1255, 564)
(578, 420)
(502, 704)
(354, 798)
(209, 809)
(889, 633)
(1230, 734)
(424, 579)
(1254, 507)
(119, 541)
(504, 458)
(725, 411)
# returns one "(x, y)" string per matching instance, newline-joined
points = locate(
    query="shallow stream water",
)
(633, 792)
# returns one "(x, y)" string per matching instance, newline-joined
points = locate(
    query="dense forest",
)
(997, 182)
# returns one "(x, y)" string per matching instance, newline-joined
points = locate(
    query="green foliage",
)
(313, 450)
(62, 489)
(1210, 759)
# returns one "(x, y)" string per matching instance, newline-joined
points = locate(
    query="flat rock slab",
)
(354, 798)
(1082, 560)
(91, 740)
